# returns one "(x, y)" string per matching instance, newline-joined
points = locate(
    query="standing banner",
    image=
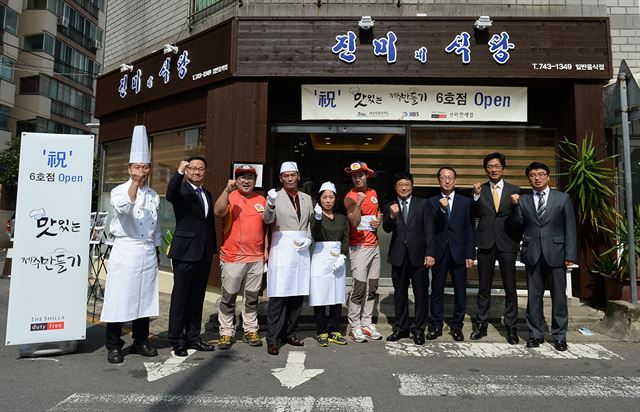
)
(414, 103)
(48, 291)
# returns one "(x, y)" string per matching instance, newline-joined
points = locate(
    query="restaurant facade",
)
(400, 94)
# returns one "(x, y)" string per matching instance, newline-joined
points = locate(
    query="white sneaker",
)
(371, 332)
(357, 336)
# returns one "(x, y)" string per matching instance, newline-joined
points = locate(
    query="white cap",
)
(289, 167)
(328, 186)
(140, 146)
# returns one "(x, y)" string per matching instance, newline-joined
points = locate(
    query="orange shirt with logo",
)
(243, 230)
(369, 207)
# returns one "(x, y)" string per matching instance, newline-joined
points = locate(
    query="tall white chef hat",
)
(140, 146)
(328, 186)
(289, 167)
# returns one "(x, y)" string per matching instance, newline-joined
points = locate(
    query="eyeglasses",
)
(446, 178)
(494, 167)
(534, 175)
(197, 169)
(246, 178)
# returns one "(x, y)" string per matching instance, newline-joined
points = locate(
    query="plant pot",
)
(612, 288)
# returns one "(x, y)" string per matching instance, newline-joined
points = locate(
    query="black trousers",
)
(459, 279)
(140, 333)
(401, 276)
(282, 316)
(189, 287)
(486, 267)
(328, 324)
(537, 276)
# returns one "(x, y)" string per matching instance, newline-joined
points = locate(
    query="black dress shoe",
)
(512, 337)
(534, 342)
(479, 333)
(433, 334)
(180, 351)
(273, 349)
(202, 346)
(143, 350)
(457, 334)
(560, 345)
(397, 335)
(115, 356)
(293, 341)
(418, 337)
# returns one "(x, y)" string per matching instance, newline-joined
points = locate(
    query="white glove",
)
(339, 262)
(302, 244)
(271, 197)
(318, 212)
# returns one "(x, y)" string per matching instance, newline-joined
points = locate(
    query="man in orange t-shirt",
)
(364, 253)
(242, 255)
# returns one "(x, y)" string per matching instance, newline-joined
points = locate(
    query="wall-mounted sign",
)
(414, 103)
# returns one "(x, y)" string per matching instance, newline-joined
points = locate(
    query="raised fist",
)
(361, 197)
(476, 189)
(271, 197)
(515, 198)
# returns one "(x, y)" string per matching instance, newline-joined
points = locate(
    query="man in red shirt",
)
(364, 218)
(242, 255)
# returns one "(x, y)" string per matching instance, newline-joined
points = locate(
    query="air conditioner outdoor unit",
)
(63, 21)
(97, 44)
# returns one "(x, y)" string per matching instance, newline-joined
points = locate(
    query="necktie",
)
(405, 210)
(449, 207)
(541, 206)
(496, 197)
(199, 193)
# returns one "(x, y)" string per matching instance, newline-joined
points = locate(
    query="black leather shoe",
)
(397, 335)
(512, 336)
(534, 342)
(293, 341)
(143, 350)
(418, 337)
(560, 345)
(457, 334)
(479, 333)
(115, 356)
(273, 349)
(202, 346)
(180, 351)
(433, 334)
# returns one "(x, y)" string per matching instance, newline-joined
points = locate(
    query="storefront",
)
(406, 94)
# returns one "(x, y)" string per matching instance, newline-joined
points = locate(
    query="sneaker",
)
(323, 339)
(357, 336)
(337, 338)
(371, 332)
(252, 338)
(225, 342)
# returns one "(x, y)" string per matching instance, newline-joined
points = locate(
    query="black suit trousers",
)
(401, 276)
(557, 281)
(486, 267)
(282, 316)
(189, 287)
(459, 280)
(139, 329)
(328, 324)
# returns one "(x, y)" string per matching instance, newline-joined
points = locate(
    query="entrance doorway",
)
(324, 151)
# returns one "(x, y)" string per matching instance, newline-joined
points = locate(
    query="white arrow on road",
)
(294, 373)
(159, 370)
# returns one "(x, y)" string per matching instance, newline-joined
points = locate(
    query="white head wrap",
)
(328, 186)
(289, 167)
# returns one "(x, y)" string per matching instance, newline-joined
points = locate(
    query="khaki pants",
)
(236, 276)
(365, 270)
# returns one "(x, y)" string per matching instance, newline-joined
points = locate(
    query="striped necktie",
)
(541, 206)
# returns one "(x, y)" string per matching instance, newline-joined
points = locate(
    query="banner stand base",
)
(33, 350)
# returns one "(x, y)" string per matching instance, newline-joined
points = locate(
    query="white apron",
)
(288, 268)
(131, 291)
(327, 287)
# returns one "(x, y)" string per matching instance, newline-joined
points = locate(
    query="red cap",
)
(244, 169)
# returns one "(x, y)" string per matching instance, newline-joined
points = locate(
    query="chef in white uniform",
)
(131, 291)
(289, 213)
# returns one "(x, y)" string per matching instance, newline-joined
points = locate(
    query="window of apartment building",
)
(199, 5)
(80, 29)
(40, 42)
(6, 68)
(5, 117)
(42, 5)
(74, 65)
(66, 100)
(9, 19)
(42, 125)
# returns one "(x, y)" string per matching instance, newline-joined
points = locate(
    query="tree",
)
(9, 166)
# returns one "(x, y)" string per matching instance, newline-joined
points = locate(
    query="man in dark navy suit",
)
(455, 252)
(410, 220)
(192, 248)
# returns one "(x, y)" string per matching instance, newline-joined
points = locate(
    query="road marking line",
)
(83, 401)
(520, 386)
(294, 372)
(499, 350)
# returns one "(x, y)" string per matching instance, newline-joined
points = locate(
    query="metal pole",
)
(626, 149)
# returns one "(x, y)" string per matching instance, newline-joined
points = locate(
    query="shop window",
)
(6, 68)
(5, 117)
(464, 148)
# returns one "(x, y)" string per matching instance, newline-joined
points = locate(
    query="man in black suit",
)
(496, 241)
(410, 220)
(192, 248)
(549, 245)
(455, 252)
